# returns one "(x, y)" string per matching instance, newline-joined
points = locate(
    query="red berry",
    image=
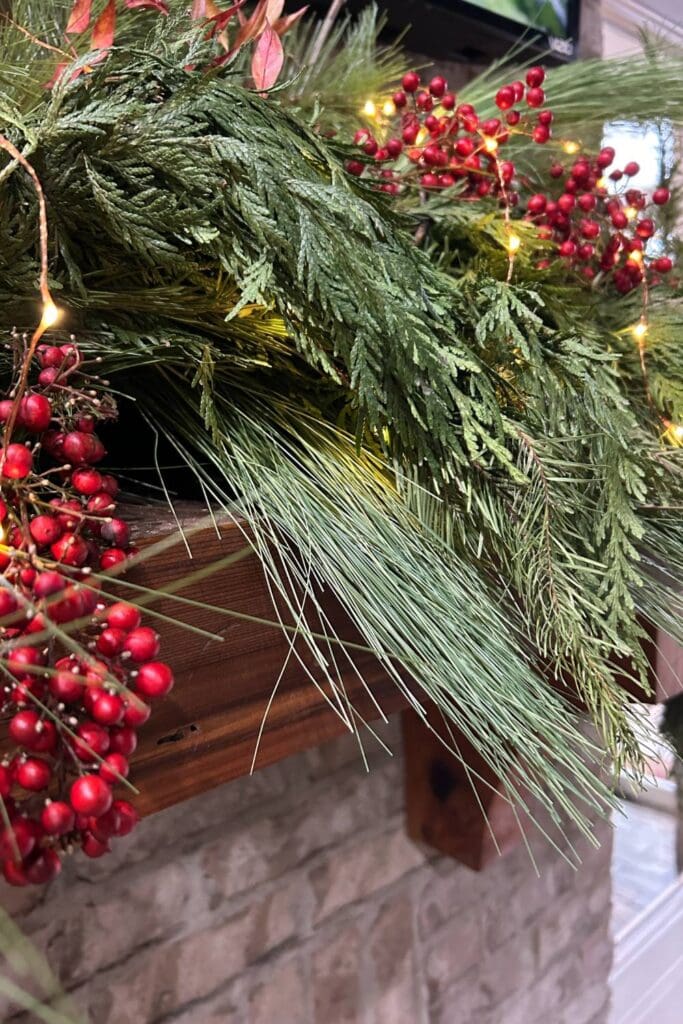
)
(8, 603)
(92, 740)
(587, 202)
(566, 202)
(540, 134)
(14, 874)
(110, 642)
(48, 376)
(93, 847)
(546, 118)
(114, 768)
(66, 687)
(80, 447)
(110, 484)
(438, 86)
(33, 774)
(631, 169)
(663, 265)
(567, 248)
(116, 533)
(424, 101)
(590, 228)
(50, 355)
(136, 713)
(535, 97)
(69, 513)
(605, 157)
(505, 97)
(90, 795)
(57, 818)
(411, 81)
(491, 126)
(154, 679)
(18, 462)
(104, 827)
(48, 584)
(660, 196)
(5, 781)
(128, 817)
(21, 836)
(123, 740)
(44, 868)
(27, 729)
(645, 228)
(70, 549)
(556, 171)
(36, 413)
(22, 658)
(45, 530)
(112, 557)
(513, 117)
(85, 423)
(142, 644)
(518, 89)
(6, 410)
(536, 204)
(400, 99)
(123, 616)
(448, 101)
(101, 503)
(534, 77)
(87, 481)
(107, 708)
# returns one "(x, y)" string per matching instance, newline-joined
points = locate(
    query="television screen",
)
(476, 30)
(550, 16)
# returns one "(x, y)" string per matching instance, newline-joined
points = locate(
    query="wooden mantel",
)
(206, 731)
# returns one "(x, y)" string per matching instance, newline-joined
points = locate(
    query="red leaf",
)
(253, 27)
(268, 58)
(104, 27)
(79, 19)
(221, 18)
(157, 5)
(283, 25)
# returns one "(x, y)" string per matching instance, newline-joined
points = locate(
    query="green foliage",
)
(471, 465)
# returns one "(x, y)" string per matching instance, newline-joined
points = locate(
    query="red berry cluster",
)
(435, 142)
(77, 668)
(438, 142)
(596, 231)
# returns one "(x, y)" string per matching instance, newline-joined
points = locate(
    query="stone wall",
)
(295, 897)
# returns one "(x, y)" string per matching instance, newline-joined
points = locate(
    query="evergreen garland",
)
(441, 444)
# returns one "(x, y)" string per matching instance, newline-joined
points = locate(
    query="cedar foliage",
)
(434, 444)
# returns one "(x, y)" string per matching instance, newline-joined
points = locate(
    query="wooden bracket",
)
(460, 813)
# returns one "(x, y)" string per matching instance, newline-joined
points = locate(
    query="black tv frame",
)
(461, 31)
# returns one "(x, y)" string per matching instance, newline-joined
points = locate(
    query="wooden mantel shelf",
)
(206, 732)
